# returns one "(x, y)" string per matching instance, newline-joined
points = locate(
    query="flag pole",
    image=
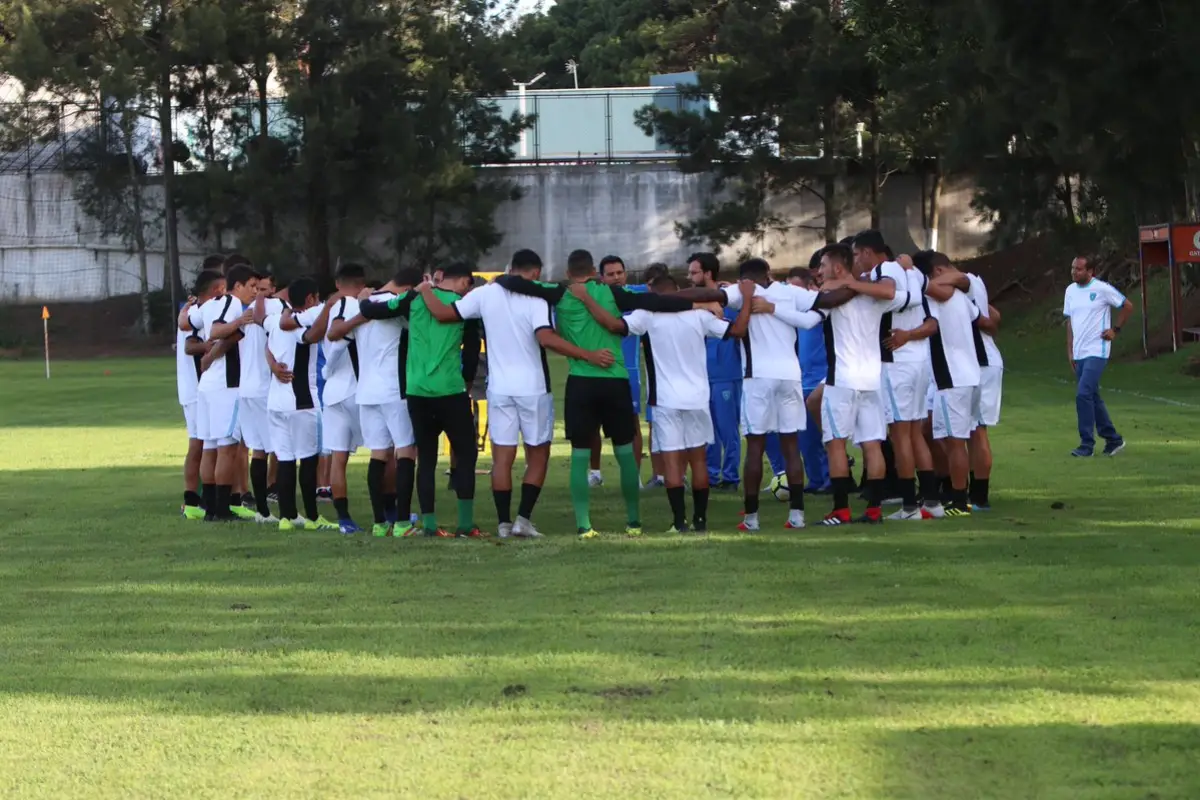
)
(46, 337)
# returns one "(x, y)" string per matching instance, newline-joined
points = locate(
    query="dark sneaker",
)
(1112, 448)
(1080, 452)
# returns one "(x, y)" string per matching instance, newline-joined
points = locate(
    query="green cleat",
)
(634, 530)
(194, 513)
(381, 531)
(241, 512)
(590, 533)
(404, 530)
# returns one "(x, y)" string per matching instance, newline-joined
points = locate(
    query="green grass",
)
(1033, 653)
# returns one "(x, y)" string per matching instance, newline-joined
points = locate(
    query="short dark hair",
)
(840, 253)
(374, 284)
(708, 263)
(663, 280)
(213, 263)
(848, 241)
(300, 289)
(205, 281)
(801, 273)
(814, 263)
(656, 271)
(240, 273)
(236, 260)
(580, 264)
(409, 276)
(754, 268)
(263, 274)
(459, 269)
(351, 272)
(871, 240)
(607, 260)
(525, 259)
(929, 260)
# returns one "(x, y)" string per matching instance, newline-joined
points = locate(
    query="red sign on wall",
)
(1185, 242)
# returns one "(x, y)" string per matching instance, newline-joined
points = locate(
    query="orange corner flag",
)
(45, 312)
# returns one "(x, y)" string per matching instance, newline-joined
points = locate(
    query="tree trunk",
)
(266, 210)
(166, 116)
(317, 194)
(829, 174)
(935, 203)
(138, 221)
(874, 165)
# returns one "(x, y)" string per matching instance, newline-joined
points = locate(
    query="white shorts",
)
(955, 412)
(930, 396)
(342, 427)
(852, 414)
(512, 420)
(255, 424)
(295, 435)
(991, 389)
(675, 430)
(772, 406)
(190, 420)
(217, 418)
(386, 427)
(906, 390)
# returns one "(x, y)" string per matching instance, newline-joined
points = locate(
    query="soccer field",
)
(1046, 650)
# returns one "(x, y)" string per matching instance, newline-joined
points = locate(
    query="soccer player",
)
(597, 397)
(955, 369)
(387, 429)
(772, 388)
(254, 386)
(342, 429)
(224, 320)
(991, 389)
(520, 405)
(725, 385)
(441, 362)
(677, 390)
(1088, 305)
(295, 412)
(851, 408)
(189, 351)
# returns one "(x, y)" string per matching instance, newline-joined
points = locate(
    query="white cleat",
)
(595, 478)
(524, 529)
(261, 520)
(933, 512)
(907, 516)
(505, 531)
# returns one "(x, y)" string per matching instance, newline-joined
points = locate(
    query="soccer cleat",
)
(381, 530)
(749, 524)
(907, 516)
(249, 502)
(403, 530)
(473, 533)
(288, 526)
(505, 531)
(272, 497)
(588, 533)
(1080, 452)
(675, 530)
(241, 512)
(933, 512)
(699, 526)
(839, 517)
(595, 478)
(873, 516)
(261, 520)
(657, 482)
(325, 494)
(634, 530)
(349, 527)
(795, 525)
(893, 501)
(524, 529)
(194, 513)
(958, 513)
(1112, 448)
(439, 534)
(322, 524)
(976, 508)
(214, 519)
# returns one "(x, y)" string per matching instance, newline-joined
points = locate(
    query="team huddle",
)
(908, 345)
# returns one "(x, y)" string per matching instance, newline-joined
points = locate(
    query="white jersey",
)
(952, 348)
(770, 347)
(224, 372)
(979, 296)
(382, 344)
(912, 316)
(677, 356)
(291, 351)
(341, 357)
(256, 374)
(1090, 310)
(187, 368)
(517, 365)
(852, 344)
(899, 277)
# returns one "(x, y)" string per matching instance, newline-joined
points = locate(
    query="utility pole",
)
(521, 87)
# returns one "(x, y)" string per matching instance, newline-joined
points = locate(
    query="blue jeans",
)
(725, 453)
(1090, 408)
(812, 450)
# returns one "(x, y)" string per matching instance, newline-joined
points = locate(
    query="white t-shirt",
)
(899, 277)
(677, 356)
(187, 368)
(912, 316)
(256, 374)
(1090, 311)
(379, 343)
(517, 365)
(769, 348)
(341, 357)
(224, 372)
(852, 344)
(291, 351)
(979, 296)
(952, 349)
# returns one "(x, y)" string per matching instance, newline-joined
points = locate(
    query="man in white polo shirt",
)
(1088, 306)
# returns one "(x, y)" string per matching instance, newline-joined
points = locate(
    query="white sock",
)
(751, 520)
(796, 517)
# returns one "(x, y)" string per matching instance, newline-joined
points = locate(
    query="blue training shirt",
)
(631, 345)
(725, 356)
(814, 362)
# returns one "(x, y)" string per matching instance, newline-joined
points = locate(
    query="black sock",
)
(286, 488)
(875, 490)
(960, 499)
(979, 491)
(752, 503)
(375, 472)
(929, 487)
(210, 498)
(908, 493)
(389, 506)
(842, 487)
(700, 510)
(235, 498)
(406, 477)
(342, 506)
(946, 490)
(797, 499)
(678, 508)
(258, 482)
(308, 487)
(191, 499)
(222, 502)
(529, 498)
(503, 500)
(273, 489)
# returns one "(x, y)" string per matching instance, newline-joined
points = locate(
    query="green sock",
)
(466, 515)
(580, 491)
(429, 523)
(630, 483)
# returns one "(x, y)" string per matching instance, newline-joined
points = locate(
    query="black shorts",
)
(592, 404)
(434, 416)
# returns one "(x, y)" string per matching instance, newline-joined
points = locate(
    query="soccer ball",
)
(779, 488)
